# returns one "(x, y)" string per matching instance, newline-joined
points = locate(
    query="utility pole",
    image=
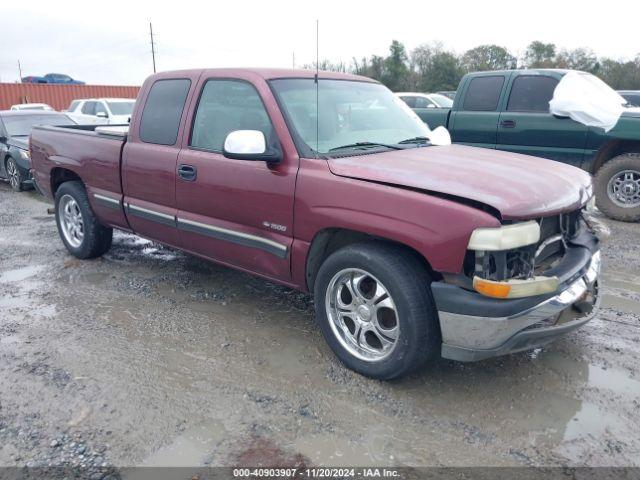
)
(153, 48)
(19, 72)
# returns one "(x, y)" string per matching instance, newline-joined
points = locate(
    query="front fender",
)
(437, 228)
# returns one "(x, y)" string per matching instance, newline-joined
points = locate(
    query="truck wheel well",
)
(331, 239)
(611, 150)
(60, 176)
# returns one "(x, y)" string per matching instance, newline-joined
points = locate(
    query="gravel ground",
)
(149, 356)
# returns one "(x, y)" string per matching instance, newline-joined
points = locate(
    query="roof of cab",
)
(265, 73)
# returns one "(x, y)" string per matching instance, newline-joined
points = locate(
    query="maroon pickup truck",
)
(329, 184)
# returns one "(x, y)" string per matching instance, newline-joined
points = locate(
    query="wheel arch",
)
(329, 240)
(611, 150)
(60, 175)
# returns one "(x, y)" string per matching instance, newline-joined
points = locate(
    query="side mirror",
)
(250, 145)
(431, 105)
(102, 115)
(560, 117)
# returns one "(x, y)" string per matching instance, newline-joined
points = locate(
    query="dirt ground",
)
(149, 356)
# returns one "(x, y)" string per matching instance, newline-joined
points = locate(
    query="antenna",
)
(153, 48)
(19, 71)
(317, 89)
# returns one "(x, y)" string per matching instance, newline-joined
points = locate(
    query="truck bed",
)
(90, 152)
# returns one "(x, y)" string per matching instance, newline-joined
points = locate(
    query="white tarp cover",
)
(588, 100)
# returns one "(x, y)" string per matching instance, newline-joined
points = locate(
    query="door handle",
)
(187, 172)
(508, 124)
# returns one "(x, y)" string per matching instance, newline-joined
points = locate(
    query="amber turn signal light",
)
(491, 289)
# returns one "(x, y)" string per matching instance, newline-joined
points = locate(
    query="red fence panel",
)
(59, 96)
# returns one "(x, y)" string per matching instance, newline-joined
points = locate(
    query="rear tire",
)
(617, 187)
(78, 227)
(374, 306)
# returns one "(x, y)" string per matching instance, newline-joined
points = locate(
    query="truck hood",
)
(517, 186)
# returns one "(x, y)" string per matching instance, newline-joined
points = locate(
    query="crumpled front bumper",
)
(468, 337)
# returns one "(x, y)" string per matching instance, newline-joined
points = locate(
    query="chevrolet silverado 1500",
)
(509, 110)
(327, 184)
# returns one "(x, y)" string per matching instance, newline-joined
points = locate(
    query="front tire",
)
(13, 175)
(78, 227)
(617, 185)
(375, 309)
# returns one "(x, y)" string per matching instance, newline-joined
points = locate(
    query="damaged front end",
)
(522, 285)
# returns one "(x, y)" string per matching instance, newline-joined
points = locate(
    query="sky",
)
(108, 42)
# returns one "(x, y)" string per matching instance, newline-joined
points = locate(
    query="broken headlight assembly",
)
(502, 261)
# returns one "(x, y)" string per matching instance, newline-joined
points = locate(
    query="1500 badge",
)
(274, 226)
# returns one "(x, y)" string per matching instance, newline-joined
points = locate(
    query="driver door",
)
(237, 212)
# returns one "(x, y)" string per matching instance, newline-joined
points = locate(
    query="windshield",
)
(121, 108)
(351, 112)
(441, 100)
(21, 125)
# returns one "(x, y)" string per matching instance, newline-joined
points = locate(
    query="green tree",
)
(540, 55)
(619, 74)
(396, 70)
(578, 59)
(488, 57)
(435, 68)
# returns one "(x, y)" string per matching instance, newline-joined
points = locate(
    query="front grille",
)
(555, 233)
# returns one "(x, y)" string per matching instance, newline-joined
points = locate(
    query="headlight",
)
(25, 154)
(505, 238)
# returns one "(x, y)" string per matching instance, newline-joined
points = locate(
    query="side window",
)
(73, 106)
(163, 110)
(225, 106)
(100, 108)
(483, 94)
(531, 94)
(89, 108)
(422, 102)
(410, 101)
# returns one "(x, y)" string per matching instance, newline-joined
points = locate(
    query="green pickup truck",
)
(509, 110)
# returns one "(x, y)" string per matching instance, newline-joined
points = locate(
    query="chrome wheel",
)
(71, 222)
(362, 314)
(624, 189)
(13, 174)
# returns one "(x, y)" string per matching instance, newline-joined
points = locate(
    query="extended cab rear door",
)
(150, 157)
(526, 125)
(474, 120)
(238, 212)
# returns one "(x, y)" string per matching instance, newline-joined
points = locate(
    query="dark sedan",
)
(15, 128)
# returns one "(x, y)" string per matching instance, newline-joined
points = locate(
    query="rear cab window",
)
(163, 110)
(483, 94)
(531, 93)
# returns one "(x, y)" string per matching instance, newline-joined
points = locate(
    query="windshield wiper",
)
(365, 145)
(414, 140)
